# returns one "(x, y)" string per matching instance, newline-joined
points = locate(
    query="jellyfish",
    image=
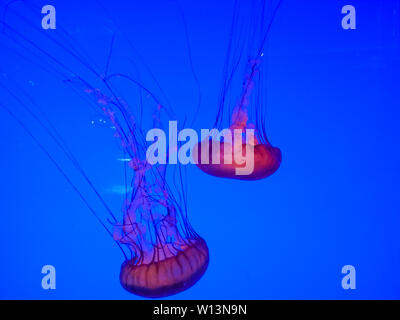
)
(245, 143)
(163, 254)
(166, 255)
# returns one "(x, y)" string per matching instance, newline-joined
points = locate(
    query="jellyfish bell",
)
(173, 272)
(265, 160)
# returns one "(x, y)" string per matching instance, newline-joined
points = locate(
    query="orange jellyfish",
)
(166, 256)
(245, 152)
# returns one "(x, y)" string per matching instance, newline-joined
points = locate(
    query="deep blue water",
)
(333, 109)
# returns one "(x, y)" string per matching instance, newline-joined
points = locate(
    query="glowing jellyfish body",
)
(221, 156)
(176, 271)
(267, 160)
(166, 254)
